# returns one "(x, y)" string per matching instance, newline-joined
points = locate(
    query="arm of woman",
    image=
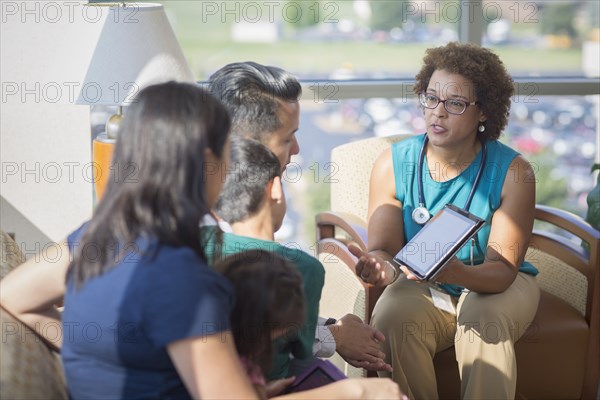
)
(509, 238)
(386, 227)
(210, 368)
(355, 388)
(30, 291)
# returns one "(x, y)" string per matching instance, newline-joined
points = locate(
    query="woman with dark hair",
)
(483, 299)
(144, 316)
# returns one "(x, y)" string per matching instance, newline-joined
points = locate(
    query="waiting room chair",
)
(558, 357)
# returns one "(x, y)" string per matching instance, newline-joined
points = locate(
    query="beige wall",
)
(45, 150)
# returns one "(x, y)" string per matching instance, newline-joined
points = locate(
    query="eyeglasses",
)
(453, 106)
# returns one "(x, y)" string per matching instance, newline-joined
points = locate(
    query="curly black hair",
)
(493, 85)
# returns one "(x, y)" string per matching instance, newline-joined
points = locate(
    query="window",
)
(357, 59)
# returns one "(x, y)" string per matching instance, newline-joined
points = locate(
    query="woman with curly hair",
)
(482, 300)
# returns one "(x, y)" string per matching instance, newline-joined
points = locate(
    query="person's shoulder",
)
(178, 262)
(507, 156)
(408, 142)
(181, 271)
(234, 243)
(74, 238)
(306, 263)
(501, 149)
(208, 232)
(398, 155)
(514, 166)
(406, 149)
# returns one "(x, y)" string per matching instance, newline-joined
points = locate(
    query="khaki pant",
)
(483, 331)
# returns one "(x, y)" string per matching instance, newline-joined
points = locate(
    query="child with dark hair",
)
(269, 304)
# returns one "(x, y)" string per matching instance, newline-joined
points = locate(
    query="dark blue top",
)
(116, 326)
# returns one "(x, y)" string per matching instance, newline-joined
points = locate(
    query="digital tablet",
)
(438, 241)
(320, 373)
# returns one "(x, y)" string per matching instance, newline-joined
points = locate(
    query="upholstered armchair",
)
(558, 357)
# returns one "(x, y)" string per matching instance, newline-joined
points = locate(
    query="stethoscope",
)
(421, 214)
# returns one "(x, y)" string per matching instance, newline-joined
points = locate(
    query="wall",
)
(45, 139)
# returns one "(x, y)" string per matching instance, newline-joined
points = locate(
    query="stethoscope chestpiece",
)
(421, 215)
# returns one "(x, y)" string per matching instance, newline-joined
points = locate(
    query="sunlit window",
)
(370, 39)
(381, 41)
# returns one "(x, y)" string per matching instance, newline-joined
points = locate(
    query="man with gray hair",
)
(263, 102)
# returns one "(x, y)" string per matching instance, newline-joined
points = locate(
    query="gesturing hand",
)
(372, 269)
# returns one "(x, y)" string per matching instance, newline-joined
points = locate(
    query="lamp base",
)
(102, 150)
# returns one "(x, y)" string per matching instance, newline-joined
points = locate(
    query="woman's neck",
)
(451, 162)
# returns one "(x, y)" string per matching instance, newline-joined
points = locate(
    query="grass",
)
(204, 34)
(364, 58)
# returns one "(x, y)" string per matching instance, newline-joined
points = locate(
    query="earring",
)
(481, 127)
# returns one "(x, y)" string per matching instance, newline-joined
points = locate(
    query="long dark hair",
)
(269, 296)
(156, 188)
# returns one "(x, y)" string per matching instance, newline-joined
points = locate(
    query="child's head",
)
(253, 181)
(269, 302)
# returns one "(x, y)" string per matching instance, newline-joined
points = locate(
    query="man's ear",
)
(276, 189)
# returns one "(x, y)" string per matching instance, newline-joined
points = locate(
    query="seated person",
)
(269, 304)
(465, 93)
(249, 90)
(145, 287)
(253, 203)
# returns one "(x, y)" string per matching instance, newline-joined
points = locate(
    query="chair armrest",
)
(568, 221)
(354, 227)
(587, 261)
(571, 252)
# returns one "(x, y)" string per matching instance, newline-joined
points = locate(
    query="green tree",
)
(386, 14)
(558, 18)
(319, 200)
(548, 190)
(593, 200)
(302, 13)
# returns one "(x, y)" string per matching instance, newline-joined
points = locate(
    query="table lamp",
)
(136, 48)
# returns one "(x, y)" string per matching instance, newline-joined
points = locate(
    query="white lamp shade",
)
(136, 48)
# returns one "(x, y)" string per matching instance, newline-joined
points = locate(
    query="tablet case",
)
(319, 373)
(441, 238)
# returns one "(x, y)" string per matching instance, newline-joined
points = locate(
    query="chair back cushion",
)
(559, 278)
(342, 293)
(11, 255)
(29, 369)
(352, 163)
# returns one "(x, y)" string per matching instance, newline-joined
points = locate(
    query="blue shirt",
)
(487, 198)
(116, 326)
